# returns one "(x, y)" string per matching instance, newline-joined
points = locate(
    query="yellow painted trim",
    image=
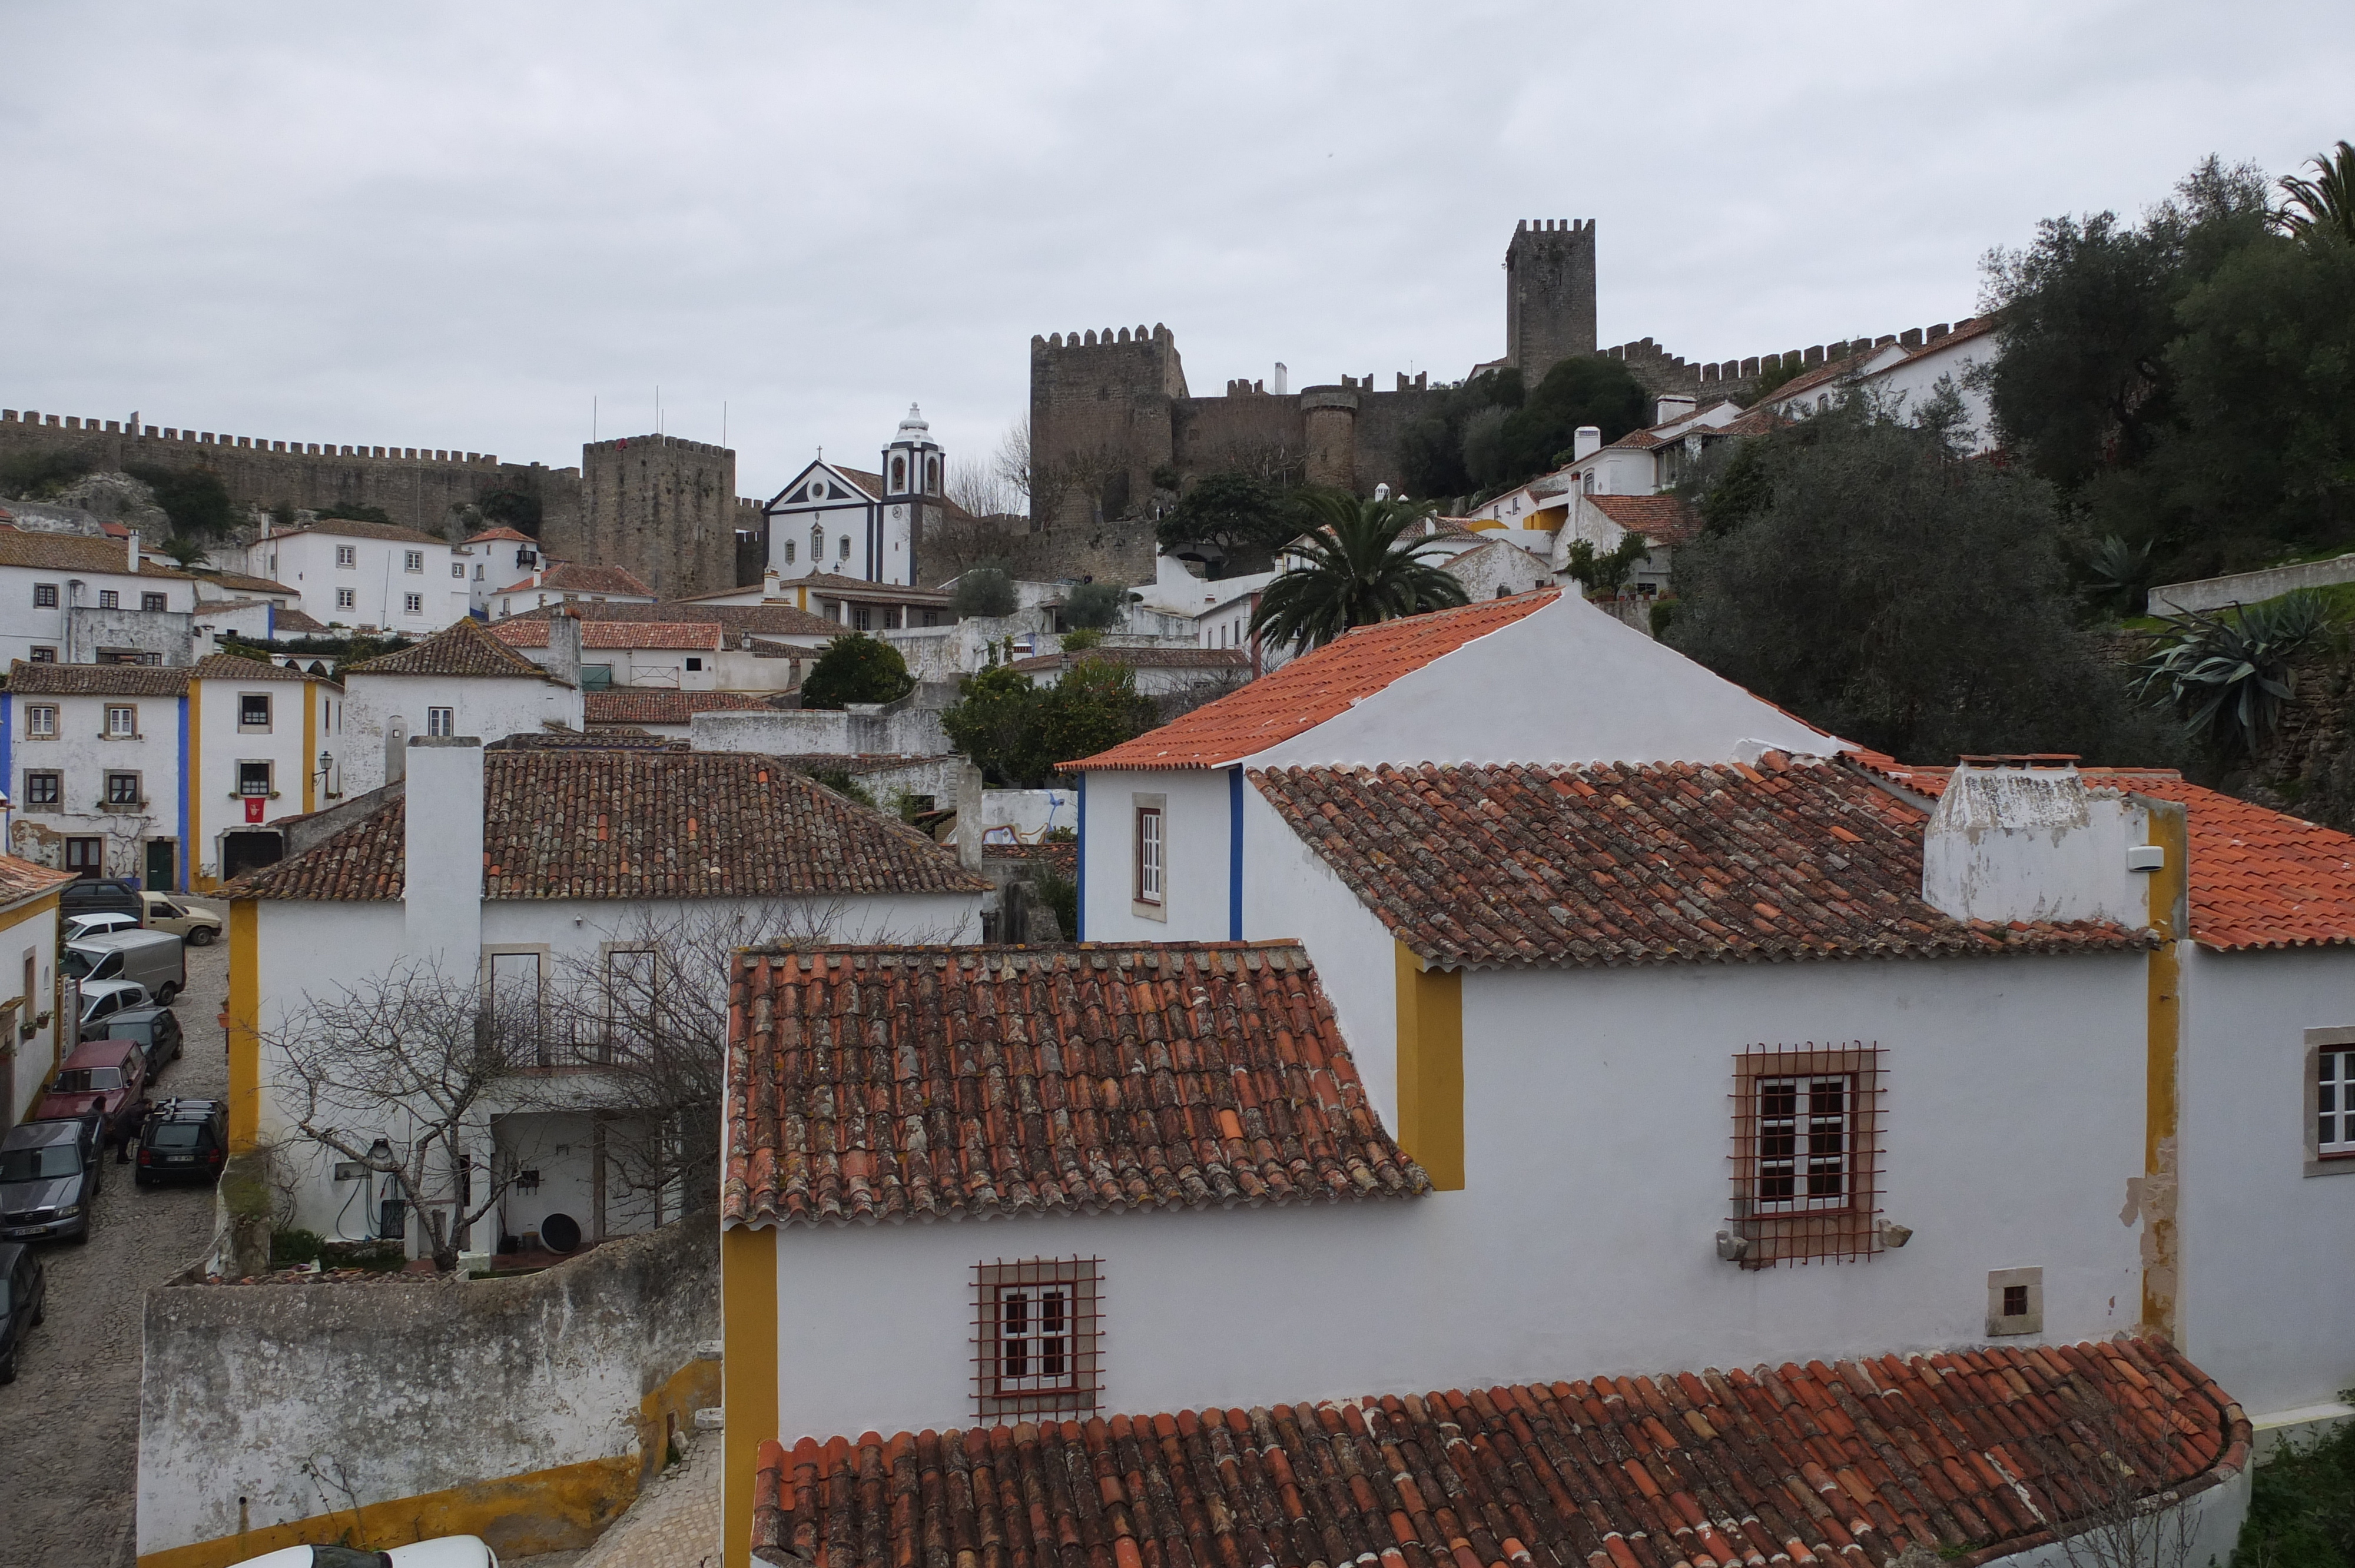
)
(192, 785)
(556, 1509)
(311, 699)
(243, 1022)
(2170, 829)
(1431, 1069)
(748, 1331)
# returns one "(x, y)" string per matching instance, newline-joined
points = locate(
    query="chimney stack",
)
(2023, 838)
(131, 539)
(564, 647)
(1280, 381)
(773, 588)
(441, 888)
(1674, 406)
(1585, 442)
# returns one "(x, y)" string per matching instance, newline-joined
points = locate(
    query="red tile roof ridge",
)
(1859, 1463)
(1317, 686)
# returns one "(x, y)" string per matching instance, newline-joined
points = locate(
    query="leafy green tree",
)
(1432, 447)
(1905, 597)
(1094, 607)
(995, 722)
(193, 498)
(1095, 706)
(857, 668)
(1238, 517)
(516, 509)
(1362, 561)
(1606, 571)
(984, 591)
(1589, 389)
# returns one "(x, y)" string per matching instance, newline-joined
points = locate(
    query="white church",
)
(832, 521)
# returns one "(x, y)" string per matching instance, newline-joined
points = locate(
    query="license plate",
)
(179, 1159)
(24, 1230)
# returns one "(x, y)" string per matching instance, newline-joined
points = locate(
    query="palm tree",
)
(185, 550)
(2325, 203)
(1357, 565)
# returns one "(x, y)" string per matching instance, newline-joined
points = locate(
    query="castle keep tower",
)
(1548, 294)
(665, 508)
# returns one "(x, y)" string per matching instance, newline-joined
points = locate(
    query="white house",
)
(1604, 520)
(460, 680)
(265, 743)
(847, 522)
(76, 599)
(1904, 371)
(534, 872)
(96, 755)
(376, 575)
(30, 1033)
(1460, 857)
(565, 582)
(494, 557)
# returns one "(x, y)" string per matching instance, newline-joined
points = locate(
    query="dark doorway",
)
(163, 865)
(241, 853)
(86, 857)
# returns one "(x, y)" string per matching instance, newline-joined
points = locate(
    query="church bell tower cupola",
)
(913, 462)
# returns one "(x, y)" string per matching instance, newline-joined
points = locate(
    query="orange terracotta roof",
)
(21, 879)
(1685, 863)
(1316, 687)
(2259, 878)
(1661, 519)
(868, 1083)
(1964, 1455)
(665, 635)
(508, 535)
(660, 704)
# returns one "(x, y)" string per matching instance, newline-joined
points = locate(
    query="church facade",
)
(837, 521)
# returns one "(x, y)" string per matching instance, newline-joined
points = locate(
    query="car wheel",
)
(8, 1370)
(81, 1236)
(138, 1178)
(200, 936)
(166, 993)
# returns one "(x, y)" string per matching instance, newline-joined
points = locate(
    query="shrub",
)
(2228, 674)
(35, 474)
(1092, 607)
(193, 498)
(355, 512)
(857, 668)
(2302, 1507)
(1061, 894)
(290, 1248)
(839, 780)
(983, 592)
(1081, 640)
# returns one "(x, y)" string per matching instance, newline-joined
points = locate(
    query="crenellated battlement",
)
(176, 437)
(1158, 335)
(1649, 361)
(1554, 226)
(675, 443)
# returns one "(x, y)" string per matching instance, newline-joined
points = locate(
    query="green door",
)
(163, 865)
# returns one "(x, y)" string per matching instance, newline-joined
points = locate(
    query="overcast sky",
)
(456, 226)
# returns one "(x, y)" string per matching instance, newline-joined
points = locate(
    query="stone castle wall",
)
(1549, 293)
(1102, 404)
(662, 506)
(423, 488)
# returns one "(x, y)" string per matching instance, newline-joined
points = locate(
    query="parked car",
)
(157, 1030)
(443, 1552)
(183, 1140)
(23, 1302)
(91, 894)
(49, 1172)
(102, 999)
(99, 923)
(156, 959)
(198, 927)
(104, 1078)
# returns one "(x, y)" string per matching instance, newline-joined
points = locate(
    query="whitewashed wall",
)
(25, 934)
(1195, 857)
(25, 626)
(379, 580)
(2268, 1252)
(488, 706)
(1597, 1129)
(81, 751)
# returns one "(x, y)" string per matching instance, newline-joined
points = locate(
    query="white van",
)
(154, 959)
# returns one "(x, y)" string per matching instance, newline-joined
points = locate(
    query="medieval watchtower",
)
(1548, 294)
(665, 508)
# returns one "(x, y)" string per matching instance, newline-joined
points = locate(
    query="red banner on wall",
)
(253, 804)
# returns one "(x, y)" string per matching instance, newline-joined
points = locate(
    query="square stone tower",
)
(663, 507)
(1548, 294)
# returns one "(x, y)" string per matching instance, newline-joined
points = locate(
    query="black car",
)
(183, 1140)
(49, 1172)
(101, 895)
(157, 1030)
(24, 1302)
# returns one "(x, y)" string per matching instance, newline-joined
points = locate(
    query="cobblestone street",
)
(69, 1423)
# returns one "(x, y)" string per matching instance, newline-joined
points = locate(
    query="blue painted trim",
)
(180, 872)
(8, 768)
(1235, 855)
(1081, 870)
(269, 621)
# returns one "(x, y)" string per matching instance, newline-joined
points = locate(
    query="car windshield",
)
(145, 1033)
(176, 1135)
(76, 963)
(43, 1164)
(89, 1080)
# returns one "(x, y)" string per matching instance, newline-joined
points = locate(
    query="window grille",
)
(45, 595)
(1806, 1153)
(345, 598)
(412, 604)
(121, 722)
(347, 555)
(1037, 1338)
(789, 552)
(1149, 854)
(2334, 1102)
(413, 561)
(153, 601)
(108, 599)
(842, 548)
(41, 722)
(253, 779)
(458, 569)
(253, 710)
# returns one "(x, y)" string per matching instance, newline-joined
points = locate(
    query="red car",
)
(105, 1079)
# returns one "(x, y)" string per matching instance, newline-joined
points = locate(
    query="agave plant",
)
(1360, 562)
(2228, 673)
(2118, 576)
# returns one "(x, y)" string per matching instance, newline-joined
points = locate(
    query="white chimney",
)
(131, 541)
(1281, 373)
(564, 647)
(1585, 442)
(773, 588)
(441, 890)
(1676, 406)
(2025, 839)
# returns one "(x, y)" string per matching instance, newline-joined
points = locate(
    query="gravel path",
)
(69, 1423)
